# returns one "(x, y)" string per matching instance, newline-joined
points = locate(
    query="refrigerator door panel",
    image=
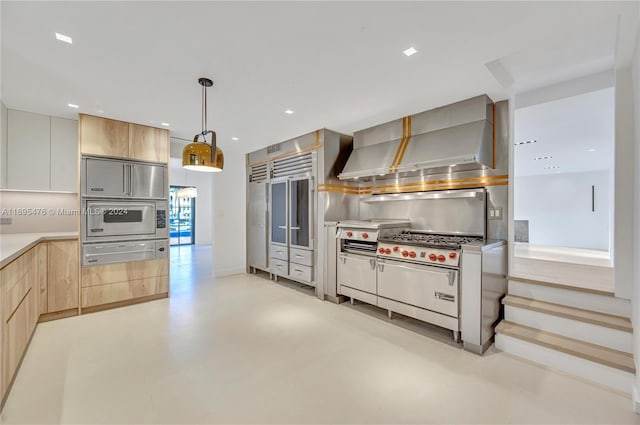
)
(300, 219)
(279, 207)
(258, 236)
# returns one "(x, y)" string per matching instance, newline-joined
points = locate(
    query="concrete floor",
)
(243, 349)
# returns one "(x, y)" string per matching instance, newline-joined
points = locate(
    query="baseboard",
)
(230, 271)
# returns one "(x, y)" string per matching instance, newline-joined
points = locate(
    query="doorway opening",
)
(182, 215)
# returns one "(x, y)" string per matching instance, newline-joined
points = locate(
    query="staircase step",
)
(595, 353)
(570, 297)
(571, 287)
(596, 318)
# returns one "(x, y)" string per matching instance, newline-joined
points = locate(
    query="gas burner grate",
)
(430, 239)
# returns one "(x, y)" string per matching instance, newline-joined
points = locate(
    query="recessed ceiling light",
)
(64, 38)
(100, 111)
(525, 142)
(165, 124)
(288, 112)
(410, 51)
(591, 150)
(542, 157)
(553, 167)
(234, 139)
(73, 105)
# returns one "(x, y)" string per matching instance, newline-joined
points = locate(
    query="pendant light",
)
(199, 155)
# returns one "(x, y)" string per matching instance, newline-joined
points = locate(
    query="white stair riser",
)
(594, 334)
(592, 371)
(568, 297)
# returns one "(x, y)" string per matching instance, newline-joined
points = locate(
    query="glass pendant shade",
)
(197, 157)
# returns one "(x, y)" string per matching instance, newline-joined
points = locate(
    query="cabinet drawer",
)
(301, 256)
(120, 272)
(279, 267)
(121, 291)
(279, 252)
(17, 278)
(303, 273)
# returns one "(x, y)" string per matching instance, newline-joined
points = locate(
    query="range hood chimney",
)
(456, 137)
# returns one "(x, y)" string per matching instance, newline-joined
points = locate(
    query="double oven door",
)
(292, 212)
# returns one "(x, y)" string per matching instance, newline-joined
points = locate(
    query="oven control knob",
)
(441, 258)
(387, 251)
(432, 257)
(405, 253)
(453, 255)
(381, 250)
(395, 249)
(412, 254)
(364, 235)
(349, 234)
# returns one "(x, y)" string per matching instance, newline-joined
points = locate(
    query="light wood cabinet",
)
(124, 281)
(41, 251)
(28, 150)
(62, 282)
(148, 143)
(18, 298)
(64, 155)
(103, 137)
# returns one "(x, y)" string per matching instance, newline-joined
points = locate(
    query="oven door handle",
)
(372, 261)
(451, 274)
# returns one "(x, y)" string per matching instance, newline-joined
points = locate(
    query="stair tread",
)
(585, 350)
(567, 286)
(594, 317)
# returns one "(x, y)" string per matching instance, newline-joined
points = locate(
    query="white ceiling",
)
(336, 64)
(576, 132)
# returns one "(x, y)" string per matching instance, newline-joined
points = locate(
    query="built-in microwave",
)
(106, 220)
(122, 179)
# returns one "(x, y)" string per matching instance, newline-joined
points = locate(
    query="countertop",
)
(14, 245)
(482, 245)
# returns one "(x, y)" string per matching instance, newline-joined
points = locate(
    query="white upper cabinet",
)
(64, 154)
(42, 152)
(28, 150)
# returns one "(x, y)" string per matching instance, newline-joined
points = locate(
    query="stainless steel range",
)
(419, 275)
(449, 275)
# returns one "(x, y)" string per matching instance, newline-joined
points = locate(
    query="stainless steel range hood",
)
(452, 138)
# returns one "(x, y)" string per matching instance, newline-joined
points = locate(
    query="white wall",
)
(635, 301)
(558, 207)
(178, 176)
(229, 247)
(623, 254)
(4, 143)
(51, 222)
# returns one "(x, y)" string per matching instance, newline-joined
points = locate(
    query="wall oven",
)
(111, 220)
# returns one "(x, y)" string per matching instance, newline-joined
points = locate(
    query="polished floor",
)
(243, 349)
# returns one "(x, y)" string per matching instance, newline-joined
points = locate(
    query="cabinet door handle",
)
(299, 256)
(282, 227)
(295, 228)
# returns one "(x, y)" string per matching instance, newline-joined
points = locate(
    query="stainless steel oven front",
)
(105, 220)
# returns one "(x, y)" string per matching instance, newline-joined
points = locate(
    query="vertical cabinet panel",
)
(257, 224)
(105, 137)
(41, 277)
(148, 143)
(63, 266)
(64, 154)
(28, 150)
